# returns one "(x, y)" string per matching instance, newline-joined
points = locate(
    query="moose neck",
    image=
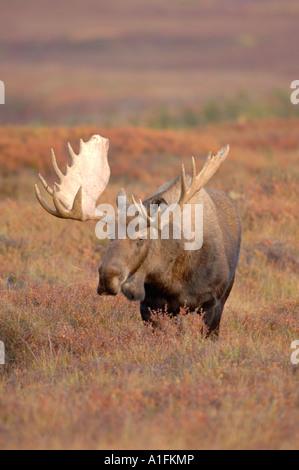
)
(168, 264)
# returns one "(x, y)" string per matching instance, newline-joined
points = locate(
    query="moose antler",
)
(76, 195)
(197, 183)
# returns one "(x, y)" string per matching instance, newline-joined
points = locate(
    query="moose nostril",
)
(110, 280)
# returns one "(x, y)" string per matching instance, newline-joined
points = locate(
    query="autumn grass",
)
(84, 372)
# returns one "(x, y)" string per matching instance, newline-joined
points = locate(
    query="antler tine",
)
(55, 166)
(183, 184)
(76, 211)
(193, 169)
(135, 202)
(81, 145)
(140, 208)
(71, 153)
(144, 212)
(45, 185)
(61, 212)
(44, 204)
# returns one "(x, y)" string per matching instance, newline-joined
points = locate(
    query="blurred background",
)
(176, 63)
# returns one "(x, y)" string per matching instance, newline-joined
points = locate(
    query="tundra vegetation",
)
(83, 371)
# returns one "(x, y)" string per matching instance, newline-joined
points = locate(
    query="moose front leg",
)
(145, 312)
(150, 315)
(133, 288)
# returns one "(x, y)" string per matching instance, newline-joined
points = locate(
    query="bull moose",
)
(159, 272)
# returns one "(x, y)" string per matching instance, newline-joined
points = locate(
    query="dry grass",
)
(83, 372)
(117, 61)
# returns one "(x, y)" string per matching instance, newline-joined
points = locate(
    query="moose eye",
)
(140, 241)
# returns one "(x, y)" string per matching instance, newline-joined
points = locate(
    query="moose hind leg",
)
(227, 292)
(213, 311)
(212, 316)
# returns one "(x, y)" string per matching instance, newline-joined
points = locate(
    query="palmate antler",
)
(77, 193)
(198, 182)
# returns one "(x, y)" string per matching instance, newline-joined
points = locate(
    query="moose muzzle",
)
(111, 280)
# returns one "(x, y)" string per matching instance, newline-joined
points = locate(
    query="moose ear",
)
(122, 199)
